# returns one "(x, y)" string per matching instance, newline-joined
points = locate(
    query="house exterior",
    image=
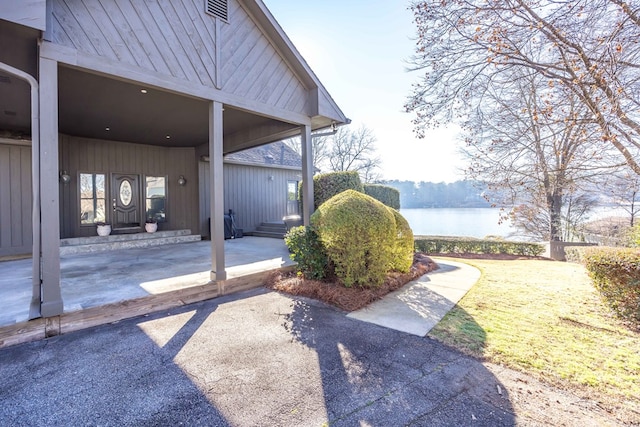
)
(260, 185)
(107, 109)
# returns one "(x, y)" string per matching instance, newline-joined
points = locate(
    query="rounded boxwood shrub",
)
(358, 234)
(403, 248)
(307, 250)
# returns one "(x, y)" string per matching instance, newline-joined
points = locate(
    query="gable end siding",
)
(218, 8)
(175, 38)
(253, 68)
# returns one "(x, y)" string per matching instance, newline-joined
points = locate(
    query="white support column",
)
(51, 299)
(216, 189)
(307, 173)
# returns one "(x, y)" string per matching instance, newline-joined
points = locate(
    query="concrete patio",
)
(98, 279)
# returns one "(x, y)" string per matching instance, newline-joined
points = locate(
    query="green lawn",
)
(546, 319)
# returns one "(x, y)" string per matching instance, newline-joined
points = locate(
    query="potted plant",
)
(103, 228)
(151, 225)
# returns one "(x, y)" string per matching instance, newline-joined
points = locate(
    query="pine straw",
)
(348, 299)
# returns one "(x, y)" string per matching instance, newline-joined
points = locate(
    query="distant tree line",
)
(459, 194)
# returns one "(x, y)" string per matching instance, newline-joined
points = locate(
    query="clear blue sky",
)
(358, 49)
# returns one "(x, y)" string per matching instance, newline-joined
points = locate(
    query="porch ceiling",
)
(89, 104)
(94, 106)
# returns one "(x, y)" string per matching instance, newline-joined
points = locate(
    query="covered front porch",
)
(107, 286)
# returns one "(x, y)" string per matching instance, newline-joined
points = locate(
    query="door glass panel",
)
(125, 193)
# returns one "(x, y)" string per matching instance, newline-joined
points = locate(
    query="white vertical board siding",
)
(250, 193)
(256, 194)
(172, 37)
(15, 200)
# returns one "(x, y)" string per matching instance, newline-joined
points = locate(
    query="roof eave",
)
(292, 56)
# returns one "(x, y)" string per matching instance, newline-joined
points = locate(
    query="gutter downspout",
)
(34, 310)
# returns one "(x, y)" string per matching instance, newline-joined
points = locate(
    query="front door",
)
(125, 200)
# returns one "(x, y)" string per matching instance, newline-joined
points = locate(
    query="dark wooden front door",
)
(125, 201)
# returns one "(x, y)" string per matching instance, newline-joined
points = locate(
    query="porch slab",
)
(82, 245)
(99, 279)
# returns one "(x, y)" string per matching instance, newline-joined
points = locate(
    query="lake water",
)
(474, 222)
(471, 222)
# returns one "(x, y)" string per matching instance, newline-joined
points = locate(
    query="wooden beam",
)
(259, 135)
(307, 174)
(216, 188)
(131, 73)
(51, 298)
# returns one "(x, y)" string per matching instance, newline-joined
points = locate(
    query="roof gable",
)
(248, 56)
(276, 154)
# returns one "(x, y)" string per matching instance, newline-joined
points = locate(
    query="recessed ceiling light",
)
(168, 136)
(107, 129)
(143, 91)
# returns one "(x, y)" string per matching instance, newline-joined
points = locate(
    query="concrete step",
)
(80, 245)
(275, 235)
(272, 227)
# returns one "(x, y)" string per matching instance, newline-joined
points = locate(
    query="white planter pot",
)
(104, 230)
(151, 227)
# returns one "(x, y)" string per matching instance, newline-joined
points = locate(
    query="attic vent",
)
(218, 8)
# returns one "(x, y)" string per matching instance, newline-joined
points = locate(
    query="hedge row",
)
(460, 245)
(327, 185)
(616, 274)
(385, 194)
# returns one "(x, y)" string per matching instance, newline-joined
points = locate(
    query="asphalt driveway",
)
(260, 358)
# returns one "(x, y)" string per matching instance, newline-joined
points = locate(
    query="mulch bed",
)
(348, 299)
(355, 298)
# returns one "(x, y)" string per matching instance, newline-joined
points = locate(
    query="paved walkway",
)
(420, 305)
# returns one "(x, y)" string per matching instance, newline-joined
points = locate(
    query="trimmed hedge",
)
(358, 234)
(307, 250)
(460, 245)
(383, 193)
(616, 275)
(327, 185)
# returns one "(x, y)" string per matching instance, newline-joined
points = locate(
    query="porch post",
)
(34, 309)
(307, 174)
(216, 192)
(51, 299)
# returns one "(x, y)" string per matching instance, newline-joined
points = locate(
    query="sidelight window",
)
(156, 198)
(92, 198)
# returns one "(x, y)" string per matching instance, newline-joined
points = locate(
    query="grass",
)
(546, 319)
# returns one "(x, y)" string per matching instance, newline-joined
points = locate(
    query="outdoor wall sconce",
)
(182, 181)
(65, 178)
